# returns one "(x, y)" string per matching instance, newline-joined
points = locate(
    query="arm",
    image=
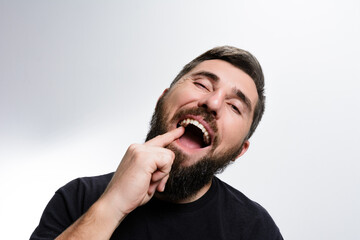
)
(143, 170)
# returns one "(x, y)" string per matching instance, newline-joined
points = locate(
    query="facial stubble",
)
(185, 181)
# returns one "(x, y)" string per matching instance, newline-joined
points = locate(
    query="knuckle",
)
(170, 156)
(135, 150)
(133, 147)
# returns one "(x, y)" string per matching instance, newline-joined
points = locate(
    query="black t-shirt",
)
(222, 213)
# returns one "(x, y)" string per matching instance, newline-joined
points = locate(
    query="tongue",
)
(191, 138)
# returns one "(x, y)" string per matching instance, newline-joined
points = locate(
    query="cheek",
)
(233, 132)
(178, 99)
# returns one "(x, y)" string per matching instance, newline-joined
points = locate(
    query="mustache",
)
(198, 111)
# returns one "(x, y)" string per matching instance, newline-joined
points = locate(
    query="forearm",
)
(99, 222)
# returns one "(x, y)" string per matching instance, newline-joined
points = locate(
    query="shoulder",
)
(87, 189)
(233, 195)
(68, 204)
(247, 212)
(89, 183)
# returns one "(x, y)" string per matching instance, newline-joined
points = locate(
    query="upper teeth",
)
(188, 121)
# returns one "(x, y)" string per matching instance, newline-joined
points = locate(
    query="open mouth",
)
(196, 135)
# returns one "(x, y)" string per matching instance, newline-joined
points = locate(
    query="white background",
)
(79, 81)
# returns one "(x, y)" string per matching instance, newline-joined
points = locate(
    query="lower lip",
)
(189, 149)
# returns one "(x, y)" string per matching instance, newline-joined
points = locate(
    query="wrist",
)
(107, 212)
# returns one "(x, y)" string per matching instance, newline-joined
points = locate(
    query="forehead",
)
(229, 76)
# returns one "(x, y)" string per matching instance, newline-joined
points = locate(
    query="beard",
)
(185, 181)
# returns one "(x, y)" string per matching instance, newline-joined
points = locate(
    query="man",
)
(166, 188)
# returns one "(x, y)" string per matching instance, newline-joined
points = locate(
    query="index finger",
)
(167, 138)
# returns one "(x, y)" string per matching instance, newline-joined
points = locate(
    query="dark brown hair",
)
(242, 60)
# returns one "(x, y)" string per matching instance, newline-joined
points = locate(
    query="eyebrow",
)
(237, 92)
(209, 75)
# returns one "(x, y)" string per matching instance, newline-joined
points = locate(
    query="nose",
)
(213, 102)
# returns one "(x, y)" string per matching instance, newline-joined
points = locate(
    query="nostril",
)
(205, 106)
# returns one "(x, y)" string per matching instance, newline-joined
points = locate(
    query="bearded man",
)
(166, 188)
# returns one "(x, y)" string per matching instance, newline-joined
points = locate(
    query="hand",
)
(143, 170)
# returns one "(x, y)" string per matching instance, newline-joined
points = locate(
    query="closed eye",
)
(235, 109)
(199, 85)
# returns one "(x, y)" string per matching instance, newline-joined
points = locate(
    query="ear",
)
(245, 147)
(163, 94)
